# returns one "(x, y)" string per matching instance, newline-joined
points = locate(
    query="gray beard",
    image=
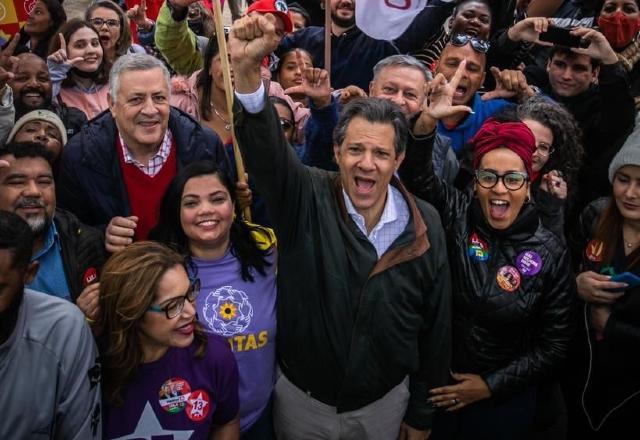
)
(38, 224)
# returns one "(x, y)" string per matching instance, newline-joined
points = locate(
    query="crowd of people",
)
(436, 238)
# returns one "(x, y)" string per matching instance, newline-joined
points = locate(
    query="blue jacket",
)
(91, 184)
(461, 133)
(354, 53)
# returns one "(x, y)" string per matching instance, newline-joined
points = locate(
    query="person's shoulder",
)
(50, 318)
(68, 224)
(218, 353)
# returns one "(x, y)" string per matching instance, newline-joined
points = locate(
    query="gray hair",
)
(134, 62)
(375, 110)
(401, 61)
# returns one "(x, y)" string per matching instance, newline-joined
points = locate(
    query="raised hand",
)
(315, 84)
(350, 93)
(138, 14)
(60, 55)
(88, 301)
(439, 101)
(8, 63)
(599, 49)
(529, 30)
(509, 83)
(554, 184)
(250, 40)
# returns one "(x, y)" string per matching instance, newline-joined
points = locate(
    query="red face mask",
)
(619, 29)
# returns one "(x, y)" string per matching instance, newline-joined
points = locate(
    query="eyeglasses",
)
(175, 306)
(477, 44)
(98, 22)
(286, 124)
(544, 149)
(512, 181)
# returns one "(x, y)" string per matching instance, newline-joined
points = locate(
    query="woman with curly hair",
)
(557, 157)
(236, 262)
(161, 372)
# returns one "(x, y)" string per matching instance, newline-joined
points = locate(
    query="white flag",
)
(386, 19)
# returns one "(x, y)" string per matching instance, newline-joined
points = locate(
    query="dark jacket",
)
(350, 326)
(511, 338)
(605, 114)
(354, 53)
(91, 184)
(82, 248)
(606, 369)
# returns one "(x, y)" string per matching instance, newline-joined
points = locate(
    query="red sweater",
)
(146, 192)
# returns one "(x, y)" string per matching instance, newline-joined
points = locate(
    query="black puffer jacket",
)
(510, 336)
(82, 249)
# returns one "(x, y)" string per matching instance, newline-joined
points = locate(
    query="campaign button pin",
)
(594, 250)
(508, 278)
(198, 405)
(173, 395)
(529, 263)
(478, 249)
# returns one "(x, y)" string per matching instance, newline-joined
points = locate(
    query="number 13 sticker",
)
(198, 405)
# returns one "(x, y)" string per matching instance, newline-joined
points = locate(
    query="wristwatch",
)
(177, 15)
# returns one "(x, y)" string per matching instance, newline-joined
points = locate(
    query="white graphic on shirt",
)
(149, 427)
(227, 311)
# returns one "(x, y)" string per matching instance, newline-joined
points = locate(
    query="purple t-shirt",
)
(178, 396)
(244, 313)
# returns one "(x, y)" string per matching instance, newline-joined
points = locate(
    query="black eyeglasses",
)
(175, 306)
(477, 44)
(513, 181)
(98, 22)
(286, 124)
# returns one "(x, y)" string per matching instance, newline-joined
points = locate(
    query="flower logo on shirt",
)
(227, 311)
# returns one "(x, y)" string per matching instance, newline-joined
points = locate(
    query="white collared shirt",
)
(393, 221)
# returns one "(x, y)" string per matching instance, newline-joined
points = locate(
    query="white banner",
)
(386, 19)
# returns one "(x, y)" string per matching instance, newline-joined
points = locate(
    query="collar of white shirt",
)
(389, 213)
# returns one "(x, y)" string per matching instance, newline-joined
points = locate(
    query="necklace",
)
(630, 244)
(227, 124)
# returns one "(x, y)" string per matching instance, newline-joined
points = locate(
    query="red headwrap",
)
(515, 136)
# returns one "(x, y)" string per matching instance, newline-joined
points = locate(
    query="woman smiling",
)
(511, 316)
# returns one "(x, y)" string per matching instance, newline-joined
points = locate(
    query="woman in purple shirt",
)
(162, 375)
(236, 264)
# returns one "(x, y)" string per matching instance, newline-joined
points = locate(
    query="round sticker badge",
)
(529, 263)
(173, 395)
(508, 278)
(478, 249)
(594, 250)
(198, 405)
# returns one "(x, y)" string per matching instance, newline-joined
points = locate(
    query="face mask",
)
(619, 29)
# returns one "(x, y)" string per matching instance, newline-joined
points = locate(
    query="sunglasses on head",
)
(477, 44)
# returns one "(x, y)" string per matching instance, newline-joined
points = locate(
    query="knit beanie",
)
(629, 154)
(40, 115)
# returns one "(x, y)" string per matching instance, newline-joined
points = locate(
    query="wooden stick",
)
(327, 36)
(228, 90)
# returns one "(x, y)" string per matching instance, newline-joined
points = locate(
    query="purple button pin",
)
(529, 263)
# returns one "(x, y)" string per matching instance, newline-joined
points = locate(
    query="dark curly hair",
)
(567, 136)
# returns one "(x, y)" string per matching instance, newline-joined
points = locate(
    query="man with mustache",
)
(25, 86)
(354, 53)
(114, 174)
(49, 370)
(69, 253)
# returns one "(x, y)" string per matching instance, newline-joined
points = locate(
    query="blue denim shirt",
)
(50, 278)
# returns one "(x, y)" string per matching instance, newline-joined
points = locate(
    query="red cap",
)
(277, 7)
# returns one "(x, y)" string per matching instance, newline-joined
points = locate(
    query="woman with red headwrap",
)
(510, 275)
